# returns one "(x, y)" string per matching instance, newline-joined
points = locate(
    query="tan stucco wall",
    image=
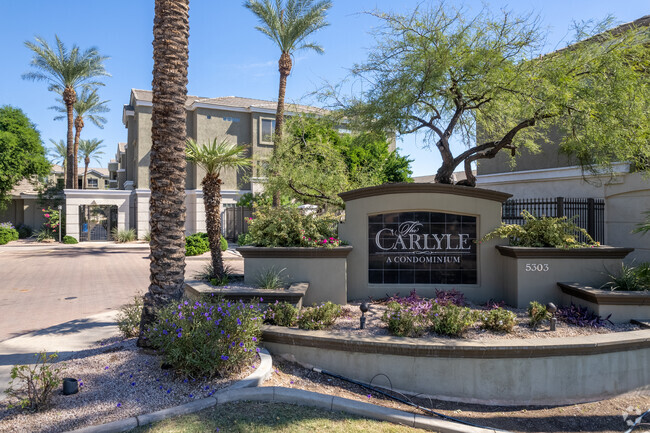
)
(355, 232)
(140, 146)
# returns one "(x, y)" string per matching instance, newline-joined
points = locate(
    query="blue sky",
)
(227, 55)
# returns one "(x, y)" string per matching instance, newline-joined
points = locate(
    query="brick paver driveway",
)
(43, 286)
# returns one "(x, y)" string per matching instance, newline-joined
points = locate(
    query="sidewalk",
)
(67, 339)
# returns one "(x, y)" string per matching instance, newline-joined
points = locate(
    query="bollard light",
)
(551, 308)
(60, 222)
(364, 307)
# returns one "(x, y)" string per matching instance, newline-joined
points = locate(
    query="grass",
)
(262, 417)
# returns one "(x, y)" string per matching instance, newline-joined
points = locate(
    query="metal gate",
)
(96, 222)
(234, 223)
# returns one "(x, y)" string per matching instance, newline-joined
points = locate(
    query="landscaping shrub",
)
(405, 321)
(581, 316)
(288, 227)
(498, 319)
(244, 239)
(128, 318)
(319, 316)
(446, 297)
(147, 236)
(36, 382)
(69, 240)
(196, 244)
(537, 313)
(45, 235)
(541, 232)
(123, 236)
(281, 314)
(7, 233)
(629, 278)
(24, 231)
(271, 279)
(452, 320)
(207, 339)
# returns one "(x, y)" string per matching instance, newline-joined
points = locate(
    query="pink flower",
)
(47, 215)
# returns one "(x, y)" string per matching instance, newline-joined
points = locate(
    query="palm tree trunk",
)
(70, 97)
(167, 166)
(212, 202)
(284, 66)
(85, 183)
(78, 126)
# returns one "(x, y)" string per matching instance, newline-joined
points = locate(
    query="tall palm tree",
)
(89, 149)
(59, 154)
(213, 158)
(167, 165)
(65, 71)
(288, 23)
(87, 106)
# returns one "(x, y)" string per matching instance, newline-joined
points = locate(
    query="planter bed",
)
(294, 294)
(622, 305)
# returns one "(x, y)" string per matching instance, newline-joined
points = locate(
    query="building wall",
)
(141, 141)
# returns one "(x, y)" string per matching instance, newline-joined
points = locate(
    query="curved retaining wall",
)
(496, 372)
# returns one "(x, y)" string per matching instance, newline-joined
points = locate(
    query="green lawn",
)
(256, 417)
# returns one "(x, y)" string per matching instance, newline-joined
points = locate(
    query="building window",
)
(92, 183)
(268, 127)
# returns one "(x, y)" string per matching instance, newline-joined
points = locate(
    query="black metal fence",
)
(233, 222)
(589, 213)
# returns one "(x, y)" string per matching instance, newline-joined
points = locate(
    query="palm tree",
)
(213, 158)
(167, 164)
(65, 71)
(89, 149)
(288, 25)
(59, 154)
(89, 106)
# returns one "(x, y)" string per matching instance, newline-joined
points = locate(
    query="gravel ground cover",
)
(117, 380)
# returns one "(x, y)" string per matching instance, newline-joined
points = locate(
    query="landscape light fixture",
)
(364, 307)
(551, 308)
(60, 221)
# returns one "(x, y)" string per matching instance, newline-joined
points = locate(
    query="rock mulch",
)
(117, 380)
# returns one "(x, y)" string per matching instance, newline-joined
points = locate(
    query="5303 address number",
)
(536, 267)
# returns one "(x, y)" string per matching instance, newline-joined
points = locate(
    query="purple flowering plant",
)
(208, 338)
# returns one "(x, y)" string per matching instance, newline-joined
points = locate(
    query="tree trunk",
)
(69, 98)
(65, 172)
(78, 126)
(85, 182)
(445, 173)
(284, 66)
(167, 166)
(212, 202)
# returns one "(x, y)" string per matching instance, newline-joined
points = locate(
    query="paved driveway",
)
(42, 286)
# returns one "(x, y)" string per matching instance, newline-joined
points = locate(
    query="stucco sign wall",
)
(421, 248)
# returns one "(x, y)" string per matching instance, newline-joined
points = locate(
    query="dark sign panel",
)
(422, 248)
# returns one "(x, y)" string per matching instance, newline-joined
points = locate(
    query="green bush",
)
(319, 316)
(244, 239)
(207, 339)
(452, 320)
(24, 231)
(69, 240)
(271, 279)
(128, 319)
(629, 278)
(404, 321)
(537, 313)
(224, 244)
(281, 314)
(147, 236)
(37, 382)
(196, 244)
(498, 319)
(123, 236)
(288, 227)
(8, 233)
(541, 232)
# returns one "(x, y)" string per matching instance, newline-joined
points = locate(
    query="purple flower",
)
(224, 358)
(254, 339)
(119, 405)
(169, 390)
(106, 368)
(132, 383)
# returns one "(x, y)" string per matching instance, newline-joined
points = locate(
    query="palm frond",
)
(90, 149)
(217, 155)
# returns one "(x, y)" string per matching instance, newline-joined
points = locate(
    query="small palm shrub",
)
(537, 313)
(36, 383)
(123, 236)
(281, 314)
(8, 233)
(271, 279)
(207, 339)
(128, 318)
(541, 232)
(319, 316)
(69, 240)
(404, 321)
(452, 320)
(498, 319)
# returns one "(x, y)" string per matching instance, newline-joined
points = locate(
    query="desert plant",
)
(128, 318)
(319, 316)
(581, 316)
(37, 382)
(147, 236)
(404, 321)
(498, 319)
(629, 278)
(446, 297)
(537, 313)
(207, 339)
(271, 278)
(123, 236)
(281, 314)
(45, 235)
(8, 233)
(643, 227)
(541, 232)
(69, 240)
(452, 320)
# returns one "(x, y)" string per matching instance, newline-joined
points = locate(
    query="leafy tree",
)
(87, 106)
(167, 165)
(288, 23)
(213, 158)
(65, 71)
(22, 154)
(443, 73)
(89, 149)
